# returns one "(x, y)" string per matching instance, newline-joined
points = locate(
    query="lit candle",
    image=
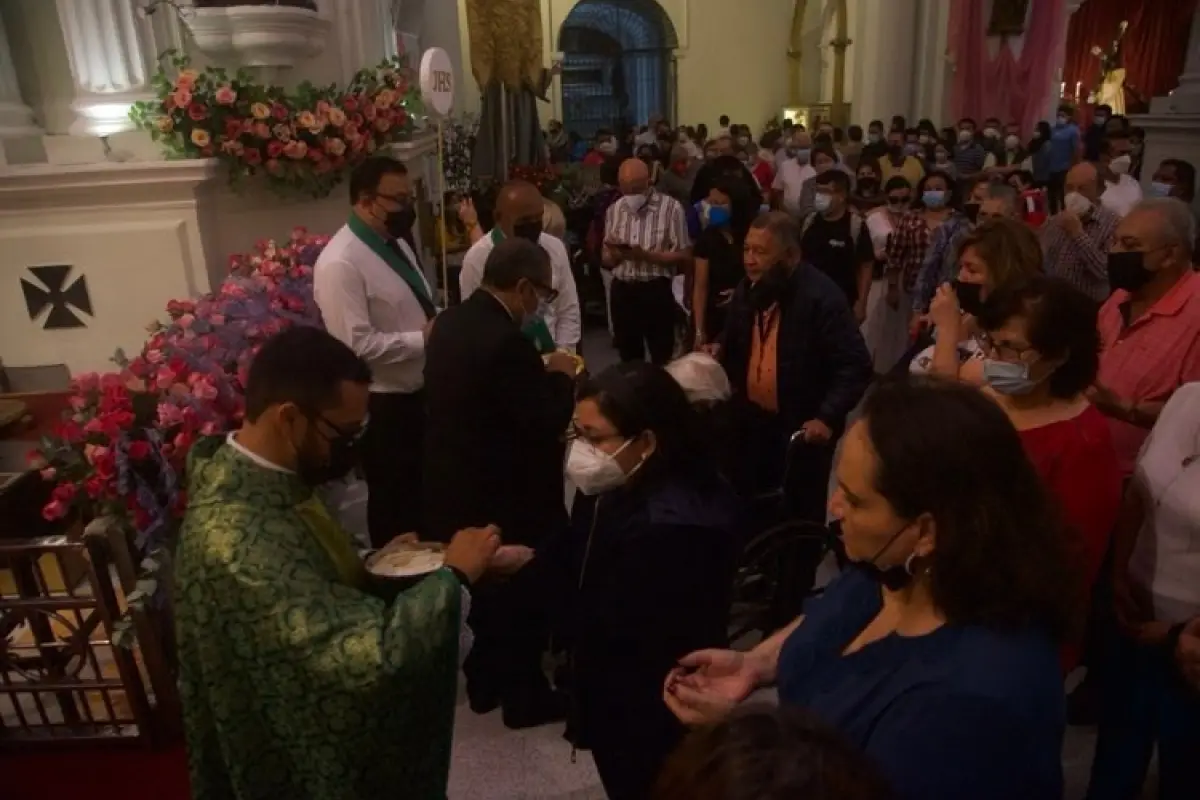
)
(1078, 86)
(1062, 89)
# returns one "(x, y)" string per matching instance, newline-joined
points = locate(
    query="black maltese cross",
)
(51, 291)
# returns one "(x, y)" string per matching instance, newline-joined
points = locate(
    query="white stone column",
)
(365, 33)
(16, 118)
(931, 71)
(112, 58)
(886, 67)
(1186, 98)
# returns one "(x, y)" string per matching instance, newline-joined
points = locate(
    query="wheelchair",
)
(778, 566)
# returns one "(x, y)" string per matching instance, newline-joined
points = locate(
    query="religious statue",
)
(1008, 17)
(506, 60)
(1110, 89)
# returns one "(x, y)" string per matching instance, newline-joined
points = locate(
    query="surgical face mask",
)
(912, 149)
(682, 138)
(934, 198)
(1077, 204)
(540, 310)
(1100, 119)
(1061, 120)
(969, 297)
(594, 471)
(743, 140)
(1121, 164)
(822, 202)
(874, 138)
(635, 202)
(718, 216)
(892, 578)
(607, 147)
(344, 455)
(1127, 270)
(924, 139)
(1007, 377)
(803, 154)
(1012, 142)
(1160, 189)
(965, 135)
(991, 133)
(530, 231)
(941, 157)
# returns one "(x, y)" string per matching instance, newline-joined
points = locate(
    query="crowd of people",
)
(996, 339)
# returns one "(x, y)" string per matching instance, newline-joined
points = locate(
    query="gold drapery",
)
(506, 41)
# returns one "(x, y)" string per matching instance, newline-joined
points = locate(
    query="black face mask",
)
(1128, 270)
(530, 231)
(972, 211)
(969, 297)
(343, 456)
(868, 186)
(400, 222)
(892, 578)
(769, 288)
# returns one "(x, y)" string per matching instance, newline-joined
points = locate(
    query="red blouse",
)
(1076, 459)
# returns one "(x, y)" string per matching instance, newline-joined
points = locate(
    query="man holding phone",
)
(645, 244)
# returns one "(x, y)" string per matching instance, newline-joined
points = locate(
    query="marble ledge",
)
(30, 187)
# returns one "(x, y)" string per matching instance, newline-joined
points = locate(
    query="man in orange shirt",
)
(1150, 327)
(797, 363)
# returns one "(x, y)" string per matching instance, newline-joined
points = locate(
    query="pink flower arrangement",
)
(122, 445)
(303, 141)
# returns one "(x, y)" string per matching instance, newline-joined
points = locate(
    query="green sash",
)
(535, 331)
(396, 260)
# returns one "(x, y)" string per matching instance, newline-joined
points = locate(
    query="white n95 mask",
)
(592, 470)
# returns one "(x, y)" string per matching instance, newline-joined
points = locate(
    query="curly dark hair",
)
(768, 754)
(1060, 323)
(1003, 558)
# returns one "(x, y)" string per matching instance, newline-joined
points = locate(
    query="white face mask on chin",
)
(1121, 165)
(594, 471)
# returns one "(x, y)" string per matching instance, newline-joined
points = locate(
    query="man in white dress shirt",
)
(373, 296)
(519, 210)
(1122, 192)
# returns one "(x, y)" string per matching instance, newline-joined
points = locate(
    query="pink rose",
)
(87, 382)
(335, 146)
(182, 98)
(382, 124)
(279, 111)
(295, 149)
(54, 510)
(210, 429)
(49, 473)
(64, 492)
(262, 130)
(185, 321)
(226, 95)
(274, 149)
(204, 390)
(95, 453)
(154, 356)
(78, 403)
(169, 415)
(197, 111)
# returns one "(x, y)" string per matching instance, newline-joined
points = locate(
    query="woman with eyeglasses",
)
(1041, 353)
(886, 327)
(936, 653)
(644, 574)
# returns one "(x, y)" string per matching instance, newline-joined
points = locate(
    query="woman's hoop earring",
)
(908, 564)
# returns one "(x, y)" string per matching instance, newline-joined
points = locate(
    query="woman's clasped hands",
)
(708, 684)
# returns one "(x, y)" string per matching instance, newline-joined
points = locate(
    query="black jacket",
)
(495, 426)
(653, 585)
(823, 365)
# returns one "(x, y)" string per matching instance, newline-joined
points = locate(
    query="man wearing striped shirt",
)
(1075, 241)
(969, 153)
(645, 244)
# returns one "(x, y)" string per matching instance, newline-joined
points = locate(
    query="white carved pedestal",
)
(138, 234)
(1173, 124)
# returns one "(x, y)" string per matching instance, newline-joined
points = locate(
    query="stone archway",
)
(618, 64)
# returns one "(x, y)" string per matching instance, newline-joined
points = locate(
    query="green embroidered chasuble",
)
(297, 681)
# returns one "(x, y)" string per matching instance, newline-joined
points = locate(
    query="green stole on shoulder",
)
(394, 259)
(535, 331)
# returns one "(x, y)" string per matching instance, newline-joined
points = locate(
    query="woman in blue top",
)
(937, 653)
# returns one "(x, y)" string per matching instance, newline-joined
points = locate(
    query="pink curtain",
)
(1004, 86)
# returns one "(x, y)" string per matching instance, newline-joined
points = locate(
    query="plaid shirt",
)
(1082, 261)
(906, 247)
(660, 226)
(1145, 360)
(941, 260)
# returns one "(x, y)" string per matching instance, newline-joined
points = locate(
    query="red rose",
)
(139, 451)
(94, 486)
(252, 156)
(274, 149)
(233, 128)
(350, 104)
(64, 492)
(197, 111)
(279, 111)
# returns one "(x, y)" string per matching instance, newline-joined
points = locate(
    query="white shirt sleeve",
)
(471, 274)
(344, 309)
(568, 320)
(778, 184)
(677, 229)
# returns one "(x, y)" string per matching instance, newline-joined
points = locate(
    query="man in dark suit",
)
(494, 451)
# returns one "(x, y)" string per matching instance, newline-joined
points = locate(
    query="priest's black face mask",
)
(325, 449)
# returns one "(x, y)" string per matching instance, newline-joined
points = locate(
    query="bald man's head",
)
(634, 177)
(1085, 179)
(519, 210)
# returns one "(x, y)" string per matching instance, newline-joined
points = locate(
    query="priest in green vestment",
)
(299, 677)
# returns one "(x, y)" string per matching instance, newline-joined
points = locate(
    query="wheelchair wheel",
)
(775, 576)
